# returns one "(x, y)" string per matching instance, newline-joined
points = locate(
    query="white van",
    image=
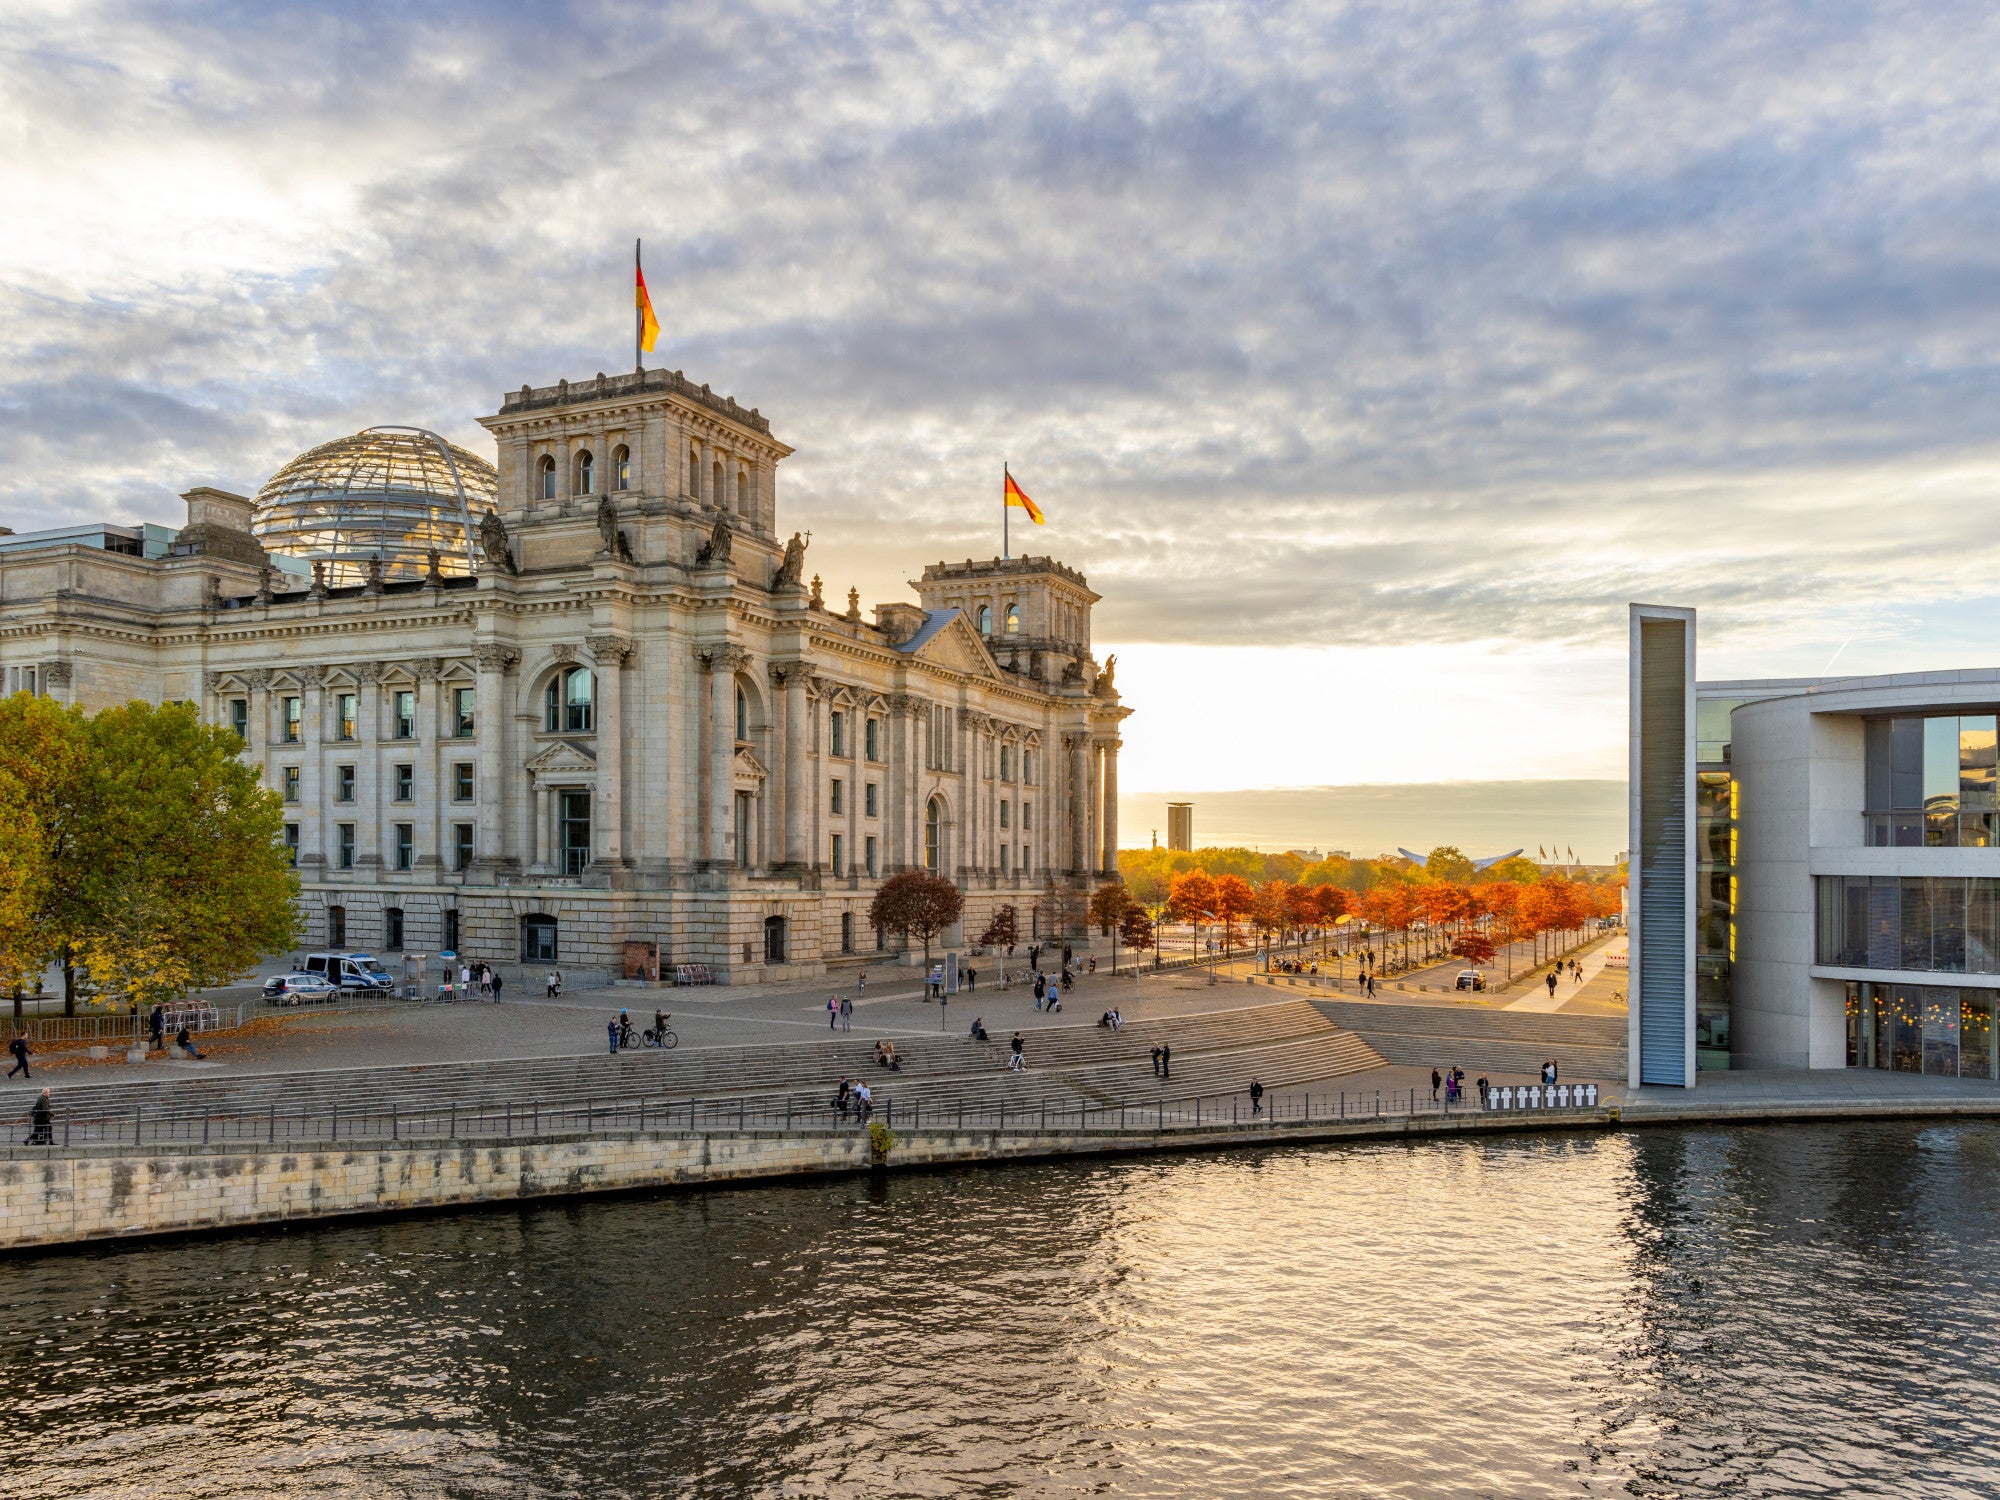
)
(351, 971)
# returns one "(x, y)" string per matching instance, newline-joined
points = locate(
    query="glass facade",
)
(1932, 782)
(1715, 880)
(1941, 925)
(1944, 1030)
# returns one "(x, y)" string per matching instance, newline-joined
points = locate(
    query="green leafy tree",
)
(196, 883)
(1447, 862)
(160, 865)
(1108, 903)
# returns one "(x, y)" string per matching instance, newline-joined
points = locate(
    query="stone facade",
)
(639, 723)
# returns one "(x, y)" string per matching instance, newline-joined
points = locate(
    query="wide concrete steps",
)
(1213, 1050)
(1481, 1039)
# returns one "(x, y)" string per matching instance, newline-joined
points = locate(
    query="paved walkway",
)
(1571, 994)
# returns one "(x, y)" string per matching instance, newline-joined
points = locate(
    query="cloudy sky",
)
(1368, 357)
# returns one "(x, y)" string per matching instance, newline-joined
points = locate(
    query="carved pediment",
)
(563, 760)
(748, 767)
(959, 648)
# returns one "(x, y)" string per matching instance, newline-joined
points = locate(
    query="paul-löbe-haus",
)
(589, 705)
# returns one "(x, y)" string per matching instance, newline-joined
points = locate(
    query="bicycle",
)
(662, 1038)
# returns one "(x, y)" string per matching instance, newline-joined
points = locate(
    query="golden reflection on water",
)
(1775, 1311)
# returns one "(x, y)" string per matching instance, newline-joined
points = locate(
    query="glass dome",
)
(394, 493)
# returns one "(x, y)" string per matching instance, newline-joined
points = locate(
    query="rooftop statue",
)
(791, 572)
(493, 541)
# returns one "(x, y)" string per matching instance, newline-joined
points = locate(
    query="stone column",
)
(489, 729)
(723, 663)
(541, 842)
(312, 758)
(432, 797)
(792, 677)
(369, 804)
(1108, 818)
(607, 817)
(1078, 746)
(704, 481)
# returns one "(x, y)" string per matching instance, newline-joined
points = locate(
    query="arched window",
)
(621, 467)
(718, 496)
(539, 940)
(568, 702)
(1013, 619)
(933, 833)
(744, 492)
(586, 466)
(694, 470)
(548, 477)
(742, 716)
(985, 620)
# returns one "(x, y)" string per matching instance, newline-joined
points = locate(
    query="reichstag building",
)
(587, 705)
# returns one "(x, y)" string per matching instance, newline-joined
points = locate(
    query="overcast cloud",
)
(1306, 323)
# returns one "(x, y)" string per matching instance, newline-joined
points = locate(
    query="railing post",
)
(274, 1122)
(740, 1107)
(1160, 1118)
(395, 1124)
(452, 1130)
(333, 1128)
(137, 1123)
(510, 1117)
(204, 1127)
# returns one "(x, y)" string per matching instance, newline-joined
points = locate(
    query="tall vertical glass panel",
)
(1941, 782)
(1978, 767)
(1715, 905)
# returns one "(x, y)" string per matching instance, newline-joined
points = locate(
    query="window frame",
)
(406, 724)
(464, 781)
(406, 846)
(403, 783)
(464, 720)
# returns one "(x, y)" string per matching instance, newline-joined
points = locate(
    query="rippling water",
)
(1782, 1311)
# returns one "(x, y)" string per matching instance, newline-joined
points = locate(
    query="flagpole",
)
(1005, 553)
(638, 314)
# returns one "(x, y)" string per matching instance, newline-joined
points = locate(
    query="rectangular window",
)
(461, 781)
(1025, 861)
(1027, 817)
(835, 800)
(874, 738)
(239, 718)
(847, 932)
(1003, 815)
(451, 931)
(292, 843)
(837, 851)
(346, 716)
(291, 782)
(1027, 768)
(573, 831)
(838, 724)
(406, 846)
(406, 783)
(1006, 762)
(343, 784)
(868, 800)
(406, 715)
(294, 717)
(461, 712)
(869, 849)
(1003, 859)
(344, 845)
(461, 848)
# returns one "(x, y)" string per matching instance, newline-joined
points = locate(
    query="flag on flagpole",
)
(649, 326)
(1018, 498)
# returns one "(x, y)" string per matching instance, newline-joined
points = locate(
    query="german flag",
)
(649, 326)
(1018, 497)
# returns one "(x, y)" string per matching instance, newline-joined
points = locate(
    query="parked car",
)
(351, 971)
(298, 989)
(1470, 979)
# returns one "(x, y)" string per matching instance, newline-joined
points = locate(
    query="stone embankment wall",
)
(74, 1196)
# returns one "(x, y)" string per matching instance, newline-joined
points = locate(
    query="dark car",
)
(1470, 979)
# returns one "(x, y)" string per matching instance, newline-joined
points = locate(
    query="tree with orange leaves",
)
(1234, 899)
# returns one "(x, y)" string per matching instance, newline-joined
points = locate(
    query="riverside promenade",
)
(157, 1150)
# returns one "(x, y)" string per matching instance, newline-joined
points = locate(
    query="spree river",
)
(1805, 1310)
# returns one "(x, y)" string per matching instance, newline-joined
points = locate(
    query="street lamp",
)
(1211, 955)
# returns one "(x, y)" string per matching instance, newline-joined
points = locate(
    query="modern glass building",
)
(1846, 848)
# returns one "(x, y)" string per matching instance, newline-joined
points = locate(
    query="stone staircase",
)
(1214, 1053)
(1480, 1038)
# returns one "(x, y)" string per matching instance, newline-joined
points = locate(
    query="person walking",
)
(846, 1014)
(971, 979)
(1485, 1101)
(841, 1096)
(1038, 989)
(1166, 1060)
(550, 992)
(1552, 984)
(19, 1047)
(496, 985)
(1016, 1063)
(464, 980)
(1371, 984)
(1436, 1079)
(41, 1121)
(864, 1102)
(1156, 1062)
(861, 985)
(1256, 1097)
(156, 1030)
(832, 1011)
